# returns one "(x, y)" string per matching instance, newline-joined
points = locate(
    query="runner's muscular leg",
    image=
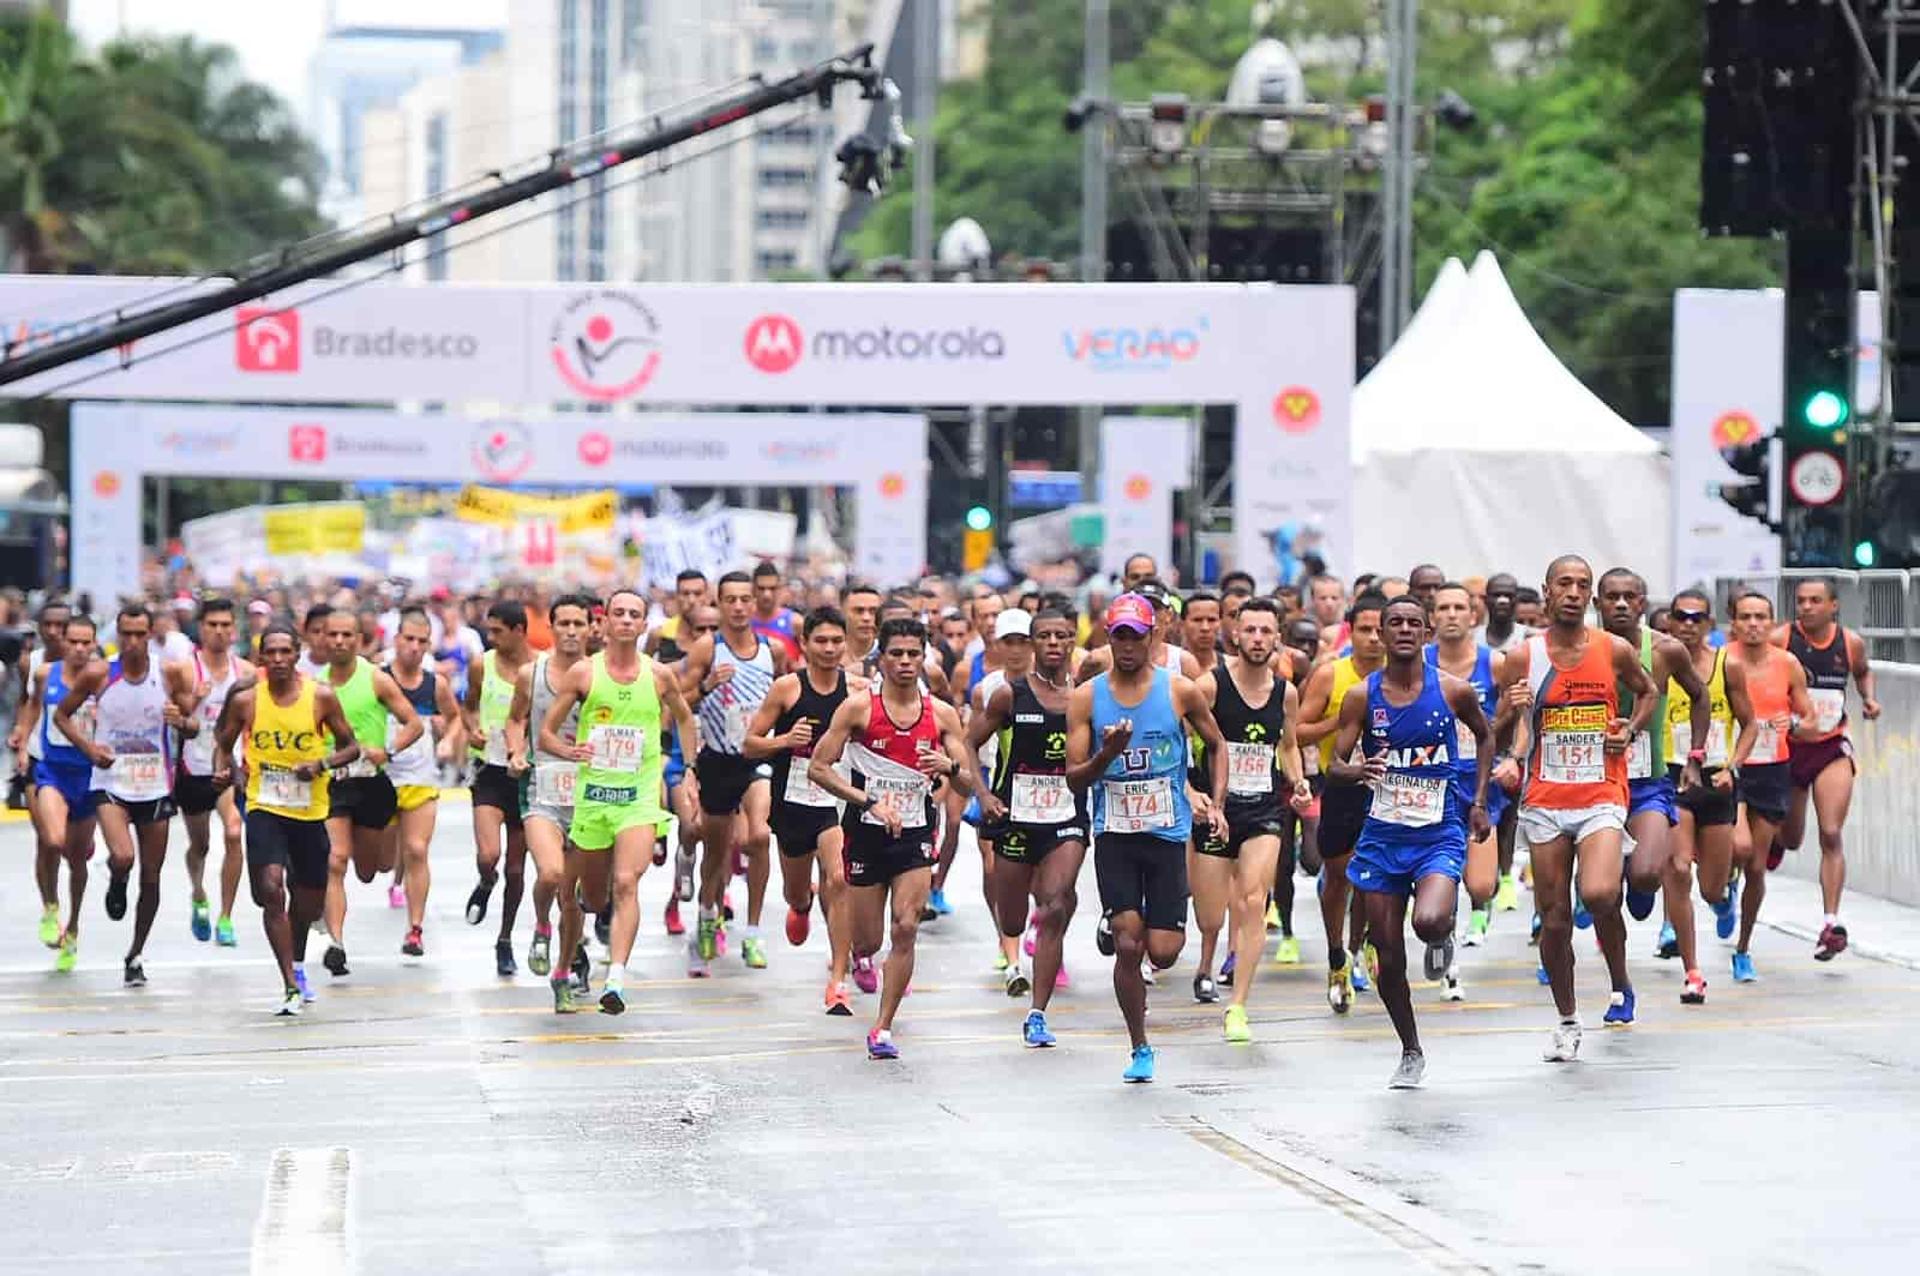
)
(339, 854)
(234, 855)
(1677, 888)
(269, 885)
(834, 899)
(1752, 861)
(1598, 863)
(152, 842)
(515, 875)
(1387, 924)
(1252, 875)
(909, 894)
(199, 841)
(1210, 882)
(632, 854)
(754, 808)
(1552, 881)
(1334, 890)
(1832, 796)
(416, 836)
(1055, 898)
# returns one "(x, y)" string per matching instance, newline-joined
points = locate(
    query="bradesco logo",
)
(774, 344)
(1150, 349)
(270, 340)
(266, 340)
(606, 345)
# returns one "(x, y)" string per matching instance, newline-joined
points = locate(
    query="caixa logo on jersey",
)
(1125, 349)
(606, 345)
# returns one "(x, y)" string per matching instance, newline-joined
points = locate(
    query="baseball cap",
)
(1130, 611)
(1014, 620)
(260, 607)
(184, 602)
(1154, 592)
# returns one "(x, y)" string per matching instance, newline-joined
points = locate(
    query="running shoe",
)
(1413, 1066)
(1140, 1068)
(1034, 1031)
(69, 954)
(1438, 961)
(603, 926)
(133, 973)
(1619, 1007)
(753, 951)
(1000, 962)
(938, 902)
(305, 985)
(1204, 990)
(1533, 930)
(1833, 942)
(1367, 971)
(1564, 1046)
(865, 977)
(540, 953)
(289, 1007)
(1478, 921)
(697, 967)
(223, 933)
(1273, 916)
(1506, 897)
(1669, 946)
(1017, 984)
(1340, 987)
(611, 1000)
(335, 960)
(415, 944)
(503, 963)
(880, 1045)
(202, 922)
(1695, 993)
(1776, 855)
(1287, 951)
(580, 968)
(837, 1000)
(396, 896)
(799, 925)
(674, 925)
(50, 925)
(1103, 935)
(683, 876)
(1726, 914)
(477, 902)
(1581, 917)
(1541, 976)
(726, 904)
(564, 1002)
(1743, 972)
(1226, 972)
(1235, 1025)
(1147, 974)
(1640, 903)
(117, 896)
(659, 853)
(1032, 939)
(708, 937)
(1061, 979)
(1451, 987)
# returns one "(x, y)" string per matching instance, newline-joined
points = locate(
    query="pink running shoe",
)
(865, 978)
(396, 896)
(1060, 980)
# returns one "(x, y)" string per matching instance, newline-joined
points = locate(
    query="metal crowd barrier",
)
(1883, 606)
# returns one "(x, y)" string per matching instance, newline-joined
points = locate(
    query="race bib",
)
(496, 754)
(1040, 799)
(1719, 748)
(1766, 743)
(1573, 743)
(905, 796)
(1680, 740)
(1640, 757)
(138, 774)
(801, 791)
(1829, 706)
(282, 788)
(1137, 806)
(1466, 745)
(617, 748)
(1411, 801)
(1310, 761)
(735, 720)
(1249, 769)
(553, 784)
(358, 769)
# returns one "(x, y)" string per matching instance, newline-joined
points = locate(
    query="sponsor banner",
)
(1727, 367)
(318, 527)
(1139, 466)
(569, 515)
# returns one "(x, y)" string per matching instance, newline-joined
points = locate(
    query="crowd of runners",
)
(1389, 740)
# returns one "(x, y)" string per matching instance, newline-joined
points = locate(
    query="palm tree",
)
(37, 77)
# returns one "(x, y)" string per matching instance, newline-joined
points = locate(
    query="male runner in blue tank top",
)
(1414, 840)
(1127, 743)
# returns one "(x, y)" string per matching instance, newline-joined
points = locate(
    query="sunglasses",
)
(1691, 617)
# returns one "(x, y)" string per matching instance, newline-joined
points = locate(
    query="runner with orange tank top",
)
(1823, 765)
(1782, 711)
(1573, 805)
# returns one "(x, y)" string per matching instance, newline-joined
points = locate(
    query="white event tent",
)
(1474, 448)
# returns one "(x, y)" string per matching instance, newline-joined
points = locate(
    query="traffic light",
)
(980, 519)
(976, 545)
(1751, 460)
(1819, 375)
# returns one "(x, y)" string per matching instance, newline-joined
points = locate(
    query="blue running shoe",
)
(1141, 1069)
(1226, 972)
(938, 903)
(880, 1045)
(1533, 930)
(1035, 1032)
(1620, 1007)
(1743, 972)
(1640, 903)
(1581, 917)
(1360, 983)
(202, 923)
(1726, 914)
(300, 982)
(1669, 946)
(1541, 974)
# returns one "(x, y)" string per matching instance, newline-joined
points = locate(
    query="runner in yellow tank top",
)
(286, 721)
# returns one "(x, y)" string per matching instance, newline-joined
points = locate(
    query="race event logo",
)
(502, 451)
(199, 443)
(307, 443)
(893, 486)
(1139, 487)
(773, 344)
(1153, 349)
(596, 449)
(1296, 409)
(799, 453)
(606, 345)
(1731, 429)
(106, 485)
(266, 339)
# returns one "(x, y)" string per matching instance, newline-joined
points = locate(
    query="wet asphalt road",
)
(429, 1117)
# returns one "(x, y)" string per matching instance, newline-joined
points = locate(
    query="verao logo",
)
(1150, 349)
(773, 344)
(502, 451)
(606, 345)
(266, 340)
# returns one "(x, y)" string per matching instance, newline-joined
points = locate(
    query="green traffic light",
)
(1825, 410)
(980, 518)
(1864, 554)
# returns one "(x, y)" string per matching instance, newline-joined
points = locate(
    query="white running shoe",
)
(1452, 989)
(1565, 1044)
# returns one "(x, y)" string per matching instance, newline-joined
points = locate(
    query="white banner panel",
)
(883, 457)
(1140, 464)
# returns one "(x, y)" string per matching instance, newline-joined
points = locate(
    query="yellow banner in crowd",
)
(588, 512)
(332, 527)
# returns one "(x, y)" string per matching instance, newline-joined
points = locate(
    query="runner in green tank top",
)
(616, 796)
(486, 710)
(363, 800)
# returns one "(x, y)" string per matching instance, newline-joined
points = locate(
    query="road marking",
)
(303, 1225)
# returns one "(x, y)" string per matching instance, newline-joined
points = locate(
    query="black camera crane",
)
(326, 254)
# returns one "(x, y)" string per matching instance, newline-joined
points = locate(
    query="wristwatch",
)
(868, 802)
